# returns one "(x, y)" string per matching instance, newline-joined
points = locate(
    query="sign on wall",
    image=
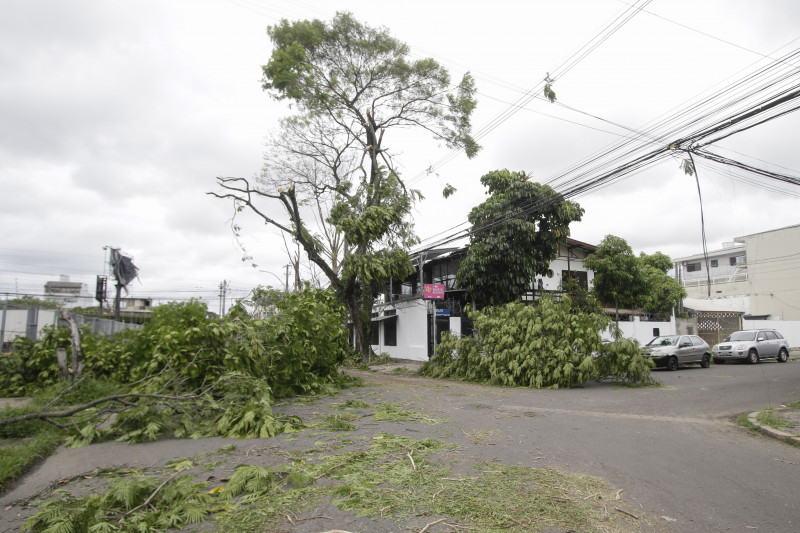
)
(433, 291)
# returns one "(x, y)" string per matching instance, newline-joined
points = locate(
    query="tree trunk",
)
(360, 330)
(75, 337)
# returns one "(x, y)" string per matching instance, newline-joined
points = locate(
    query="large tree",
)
(662, 292)
(623, 279)
(329, 181)
(515, 236)
(618, 276)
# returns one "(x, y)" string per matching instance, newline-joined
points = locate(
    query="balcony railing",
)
(716, 280)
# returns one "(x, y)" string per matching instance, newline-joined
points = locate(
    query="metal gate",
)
(714, 326)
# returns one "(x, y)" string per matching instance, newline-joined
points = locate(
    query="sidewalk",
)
(789, 432)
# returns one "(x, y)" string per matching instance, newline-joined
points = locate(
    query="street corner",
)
(782, 423)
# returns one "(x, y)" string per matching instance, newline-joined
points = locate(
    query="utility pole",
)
(287, 277)
(223, 292)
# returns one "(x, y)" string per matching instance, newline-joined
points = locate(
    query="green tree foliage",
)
(185, 374)
(657, 260)
(549, 345)
(662, 292)
(625, 280)
(618, 276)
(517, 233)
(330, 183)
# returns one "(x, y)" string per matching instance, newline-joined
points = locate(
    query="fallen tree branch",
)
(152, 495)
(41, 415)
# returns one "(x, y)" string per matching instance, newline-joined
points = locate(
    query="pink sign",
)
(433, 291)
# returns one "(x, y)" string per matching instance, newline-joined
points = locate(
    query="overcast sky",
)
(116, 117)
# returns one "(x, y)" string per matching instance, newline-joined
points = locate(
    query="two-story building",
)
(757, 275)
(409, 316)
(66, 293)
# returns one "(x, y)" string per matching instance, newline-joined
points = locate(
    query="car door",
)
(685, 349)
(700, 347)
(771, 344)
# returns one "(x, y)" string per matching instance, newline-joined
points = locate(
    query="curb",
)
(772, 432)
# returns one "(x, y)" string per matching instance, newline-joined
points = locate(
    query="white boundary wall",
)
(788, 328)
(642, 330)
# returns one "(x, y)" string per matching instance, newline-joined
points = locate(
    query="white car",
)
(752, 345)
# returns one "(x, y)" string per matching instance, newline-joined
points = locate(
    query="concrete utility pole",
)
(223, 292)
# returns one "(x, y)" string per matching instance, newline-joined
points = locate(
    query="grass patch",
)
(744, 421)
(18, 455)
(338, 422)
(769, 417)
(351, 404)
(480, 436)
(394, 412)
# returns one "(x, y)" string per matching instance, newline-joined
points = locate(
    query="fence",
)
(30, 321)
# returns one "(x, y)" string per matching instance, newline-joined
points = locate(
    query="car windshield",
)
(671, 340)
(742, 336)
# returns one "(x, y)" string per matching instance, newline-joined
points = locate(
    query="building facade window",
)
(579, 275)
(390, 332)
(694, 267)
(714, 263)
(375, 333)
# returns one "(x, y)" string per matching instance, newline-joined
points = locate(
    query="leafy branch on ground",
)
(387, 477)
(552, 344)
(183, 374)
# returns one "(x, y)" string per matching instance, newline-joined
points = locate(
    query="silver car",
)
(752, 345)
(671, 351)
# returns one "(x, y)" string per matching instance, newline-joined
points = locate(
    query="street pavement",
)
(676, 450)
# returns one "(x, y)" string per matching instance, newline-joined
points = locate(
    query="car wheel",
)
(672, 363)
(706, 361)
(719, 361)
(752, 357)
(783, 355)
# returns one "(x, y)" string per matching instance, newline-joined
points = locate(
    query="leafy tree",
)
(662, 292)
(657, 260)
(627, 280)
(618, 276)
(330, 182)
(517, 231)
(30, 301)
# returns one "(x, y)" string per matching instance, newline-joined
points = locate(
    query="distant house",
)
(66, 293)
(135, 308)
(409, 316)
(758, 275)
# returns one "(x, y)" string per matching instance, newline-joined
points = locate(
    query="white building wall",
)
(412, 333)
(789, 329)
(773, 263)
(642, 330)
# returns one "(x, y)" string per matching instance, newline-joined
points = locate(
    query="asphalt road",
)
(675, 450)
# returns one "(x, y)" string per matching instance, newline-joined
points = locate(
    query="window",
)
(375, 333)
(693, 267)
(714, 263)
(579, 275)
(770, 335)
(390, 332)
(738, 260)
(777, 335)
(697, 341)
